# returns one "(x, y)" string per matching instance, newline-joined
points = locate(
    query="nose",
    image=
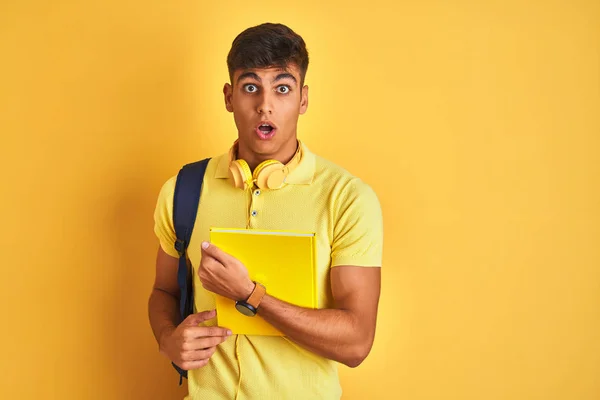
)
(265, 104)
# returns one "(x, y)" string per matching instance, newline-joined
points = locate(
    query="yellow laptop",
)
(283, 261)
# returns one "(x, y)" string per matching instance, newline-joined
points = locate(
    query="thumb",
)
(214, 252)
(195, 319)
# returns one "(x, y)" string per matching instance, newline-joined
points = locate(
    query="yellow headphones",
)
(269, 174)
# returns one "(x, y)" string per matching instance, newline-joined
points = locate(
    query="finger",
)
(190, 365)
(215, 252)
(205, 331)
(206, 258)
(197, 355)
(210, 262)
(195, 319)
(204, 343)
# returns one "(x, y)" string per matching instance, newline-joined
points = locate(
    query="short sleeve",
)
(358, 229)
(163, 218)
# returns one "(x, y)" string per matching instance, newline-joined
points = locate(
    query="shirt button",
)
(254, 212)
(256, 192)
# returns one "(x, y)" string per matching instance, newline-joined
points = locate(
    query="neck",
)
(284, 155)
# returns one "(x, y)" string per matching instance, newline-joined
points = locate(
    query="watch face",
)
(245, 309)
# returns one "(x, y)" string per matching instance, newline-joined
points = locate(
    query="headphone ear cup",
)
(269, 175)
(276, 179)
(240, 174)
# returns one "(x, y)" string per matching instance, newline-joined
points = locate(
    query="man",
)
(266, 94)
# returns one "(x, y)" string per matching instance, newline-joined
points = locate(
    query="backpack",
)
(185, 207)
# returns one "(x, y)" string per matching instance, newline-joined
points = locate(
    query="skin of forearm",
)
(163, 312)
(331, 333)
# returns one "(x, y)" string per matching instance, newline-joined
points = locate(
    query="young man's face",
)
(266, 104)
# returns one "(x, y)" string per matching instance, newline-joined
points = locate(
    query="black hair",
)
(266, 46)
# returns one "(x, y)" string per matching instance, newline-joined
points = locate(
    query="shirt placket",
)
(256, 207)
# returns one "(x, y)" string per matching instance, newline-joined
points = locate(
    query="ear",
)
(227, 93)
(304, 100)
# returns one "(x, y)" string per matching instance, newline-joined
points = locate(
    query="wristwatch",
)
(249, 307)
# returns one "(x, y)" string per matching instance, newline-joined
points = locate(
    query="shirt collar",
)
(303, 174)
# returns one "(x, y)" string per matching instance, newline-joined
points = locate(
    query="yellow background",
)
(477, 123)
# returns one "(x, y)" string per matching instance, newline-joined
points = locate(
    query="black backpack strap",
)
(186, 198)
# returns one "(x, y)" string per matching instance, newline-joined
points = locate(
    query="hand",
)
(223, 274)
(190, 346)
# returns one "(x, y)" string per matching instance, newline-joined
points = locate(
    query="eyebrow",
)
(279, 77)
(285, 76)
(249, 75)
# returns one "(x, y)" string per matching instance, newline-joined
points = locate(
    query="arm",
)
(163, 304)
(186, 344)
(344, 333)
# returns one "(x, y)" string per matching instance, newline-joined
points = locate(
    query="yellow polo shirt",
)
(320, 197)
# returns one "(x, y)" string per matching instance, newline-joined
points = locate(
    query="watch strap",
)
(257, 295)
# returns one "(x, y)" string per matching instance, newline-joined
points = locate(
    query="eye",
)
(283, 89)
(250, 88)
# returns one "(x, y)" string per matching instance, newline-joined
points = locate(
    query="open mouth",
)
(265, 130)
